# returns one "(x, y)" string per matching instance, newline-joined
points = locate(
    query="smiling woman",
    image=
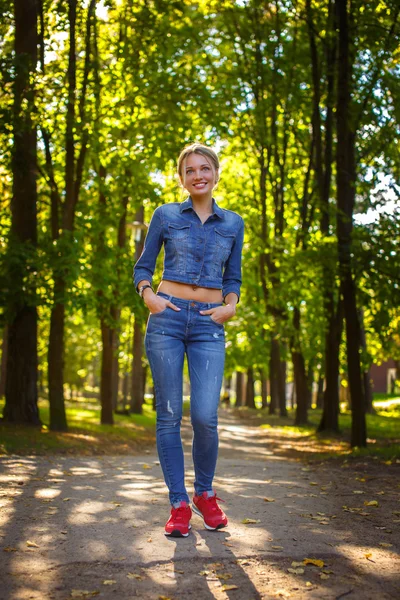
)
(202, 271)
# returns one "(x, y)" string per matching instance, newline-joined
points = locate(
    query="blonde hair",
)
(197, 148)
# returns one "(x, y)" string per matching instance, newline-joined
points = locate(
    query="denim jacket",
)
(206, 255)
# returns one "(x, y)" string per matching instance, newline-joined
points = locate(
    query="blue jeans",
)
(169, 335)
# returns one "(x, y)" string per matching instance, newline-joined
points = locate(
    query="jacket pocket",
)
(179, 236)
(178, 232)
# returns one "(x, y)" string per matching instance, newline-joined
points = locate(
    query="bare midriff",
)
(190, 292)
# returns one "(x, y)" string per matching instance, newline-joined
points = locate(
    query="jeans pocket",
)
(159, 313)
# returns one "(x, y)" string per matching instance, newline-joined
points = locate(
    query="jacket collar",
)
(188, 204)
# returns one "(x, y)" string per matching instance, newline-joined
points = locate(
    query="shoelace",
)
(214, 499)
(181, 510)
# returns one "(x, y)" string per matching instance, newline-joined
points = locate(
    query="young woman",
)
(199, 291)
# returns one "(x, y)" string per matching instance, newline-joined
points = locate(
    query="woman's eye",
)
(206, 168)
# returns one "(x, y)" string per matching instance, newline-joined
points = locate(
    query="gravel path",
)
(93, 526)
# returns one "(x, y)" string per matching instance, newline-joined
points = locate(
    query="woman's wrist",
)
(147, 294)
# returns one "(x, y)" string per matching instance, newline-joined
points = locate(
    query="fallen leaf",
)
(149, 539)
(135, 576)
(277, 547)
(385, 545)
(282, 593)
(358, 492)
(226, 587)
(368, 556)
(9, 549)
(145, 466)
(269, 499)
(224, 576)
(83, 593)
(308, 584)
(216, 565)
(204, 573)
(313, 561)
(164, 598)
(323, 576)
(109, 581)
(227, 544)
(67, 500)
(297, 571)
(250, 521)
(296, 564)
(371, 503)
(31, 544)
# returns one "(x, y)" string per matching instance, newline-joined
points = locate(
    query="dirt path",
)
(82, 527)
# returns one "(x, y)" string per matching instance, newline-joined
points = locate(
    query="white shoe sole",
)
(177, 533)
(198, 513)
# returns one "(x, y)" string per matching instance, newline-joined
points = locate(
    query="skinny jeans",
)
(169, 335)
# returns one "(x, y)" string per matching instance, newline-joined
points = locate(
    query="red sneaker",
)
(178, 524)
(206, 506)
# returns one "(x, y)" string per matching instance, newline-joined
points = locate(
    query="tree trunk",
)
(330, 413)
(369, 408)
(300, 381)
(137, 397)
(320, 391)
(74, 164)
(239, 388)
(250, 397)
(310, 383)
(345, 183)
(106, 382)
(264, 389)
(299, 371)
(275, 376)
(55, 361)
(22, 363)
(3, 368)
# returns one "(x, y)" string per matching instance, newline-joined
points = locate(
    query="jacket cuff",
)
(231, 287)
(142, 275)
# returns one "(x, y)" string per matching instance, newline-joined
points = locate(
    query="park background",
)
(300, 98)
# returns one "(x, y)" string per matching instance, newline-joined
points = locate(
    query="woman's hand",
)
(220, 314)
(157, 304)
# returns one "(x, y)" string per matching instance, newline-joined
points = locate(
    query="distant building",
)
(383, 377)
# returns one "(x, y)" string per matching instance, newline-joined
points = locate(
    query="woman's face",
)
(199, 175)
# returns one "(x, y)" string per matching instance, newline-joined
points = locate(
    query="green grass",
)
(383, 431)
(85, 434)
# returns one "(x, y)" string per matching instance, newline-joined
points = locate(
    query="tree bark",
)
(106, 382)
(320, 391)
(369, 408)
(300, 375)
(250, 397)
(137, 396)
(3, 369)
(239, 388)
(264, 389)
(74, 164)
(22, 362)
(345, 182)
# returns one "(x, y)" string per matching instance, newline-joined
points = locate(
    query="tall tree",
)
(74, 164)
(21, 380)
